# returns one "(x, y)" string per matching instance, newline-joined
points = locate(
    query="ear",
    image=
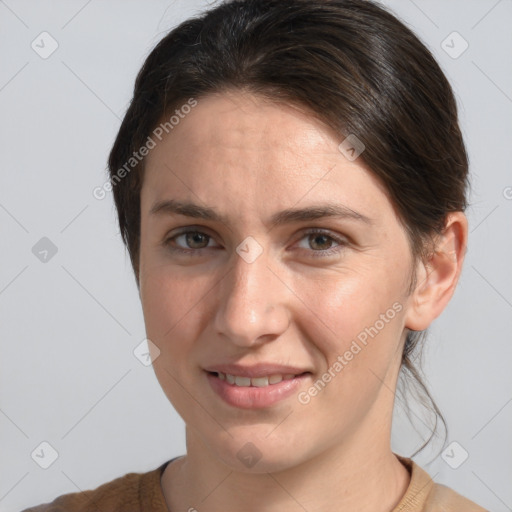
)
(438, 277)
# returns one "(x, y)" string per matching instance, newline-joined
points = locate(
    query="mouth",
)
(257, 382)
(259, 392)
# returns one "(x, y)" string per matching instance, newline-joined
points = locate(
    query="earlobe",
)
(438, 277)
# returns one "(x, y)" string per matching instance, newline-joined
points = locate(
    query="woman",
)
(290, 181)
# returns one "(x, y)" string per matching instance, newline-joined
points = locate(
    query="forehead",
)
(241, 122)
(234, 118)
(242, 144)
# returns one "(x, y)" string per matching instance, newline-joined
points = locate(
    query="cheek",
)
(172, 309)
(170, 305)
(354, 306)
(356, 327)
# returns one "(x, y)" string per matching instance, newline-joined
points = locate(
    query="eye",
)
(188, 242)
(320, 243)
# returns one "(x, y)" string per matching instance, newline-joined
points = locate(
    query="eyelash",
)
(314, 231)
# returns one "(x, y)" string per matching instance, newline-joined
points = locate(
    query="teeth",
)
(259, 382)
(242, 381)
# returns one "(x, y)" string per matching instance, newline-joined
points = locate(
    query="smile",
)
(259, 382)
(259, 392)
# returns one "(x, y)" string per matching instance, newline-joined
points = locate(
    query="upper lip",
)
(256, 370)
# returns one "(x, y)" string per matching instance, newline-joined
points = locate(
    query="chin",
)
(255, 453)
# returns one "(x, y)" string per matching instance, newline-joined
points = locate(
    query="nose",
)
(252, 303)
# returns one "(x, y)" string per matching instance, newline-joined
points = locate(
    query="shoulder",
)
(424, 495)
(444, 499)
(126, 493)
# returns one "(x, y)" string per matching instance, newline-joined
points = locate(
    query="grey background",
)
(68, 327)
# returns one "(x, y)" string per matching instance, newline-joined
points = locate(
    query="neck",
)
(361, 474)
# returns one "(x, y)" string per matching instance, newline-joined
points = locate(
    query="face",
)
(269, 258)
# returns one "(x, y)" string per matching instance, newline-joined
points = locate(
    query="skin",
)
(249, 158)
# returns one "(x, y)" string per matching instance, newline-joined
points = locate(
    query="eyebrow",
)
(288, 216)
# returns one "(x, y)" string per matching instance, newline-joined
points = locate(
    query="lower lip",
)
(251, 397)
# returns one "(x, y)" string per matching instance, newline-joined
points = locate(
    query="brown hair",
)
(352, 64)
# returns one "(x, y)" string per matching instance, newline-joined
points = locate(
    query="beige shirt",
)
(142, 492)
(424, 495)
